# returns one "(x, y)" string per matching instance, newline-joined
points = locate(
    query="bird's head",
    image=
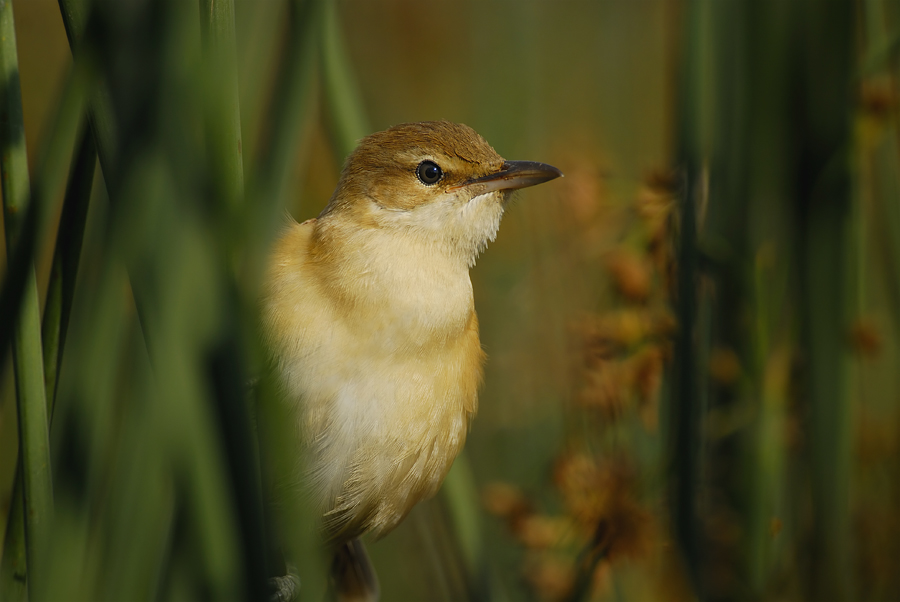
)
(437, 181)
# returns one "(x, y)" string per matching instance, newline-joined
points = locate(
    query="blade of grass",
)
(292, 98)
(882, 204)
(66, 255)
(223, 118)
(460, 492)
(75, 15)
(18, 267)
(13, 564)
(34, 443)
(345, 107)
(56, 316)
(283, 131)
(823, 184)
(684, 415)
(53, 154)
(226, 370)
(30, 222)
(153, 274)
(768, 492)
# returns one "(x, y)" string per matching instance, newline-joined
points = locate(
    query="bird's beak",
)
(513, 174)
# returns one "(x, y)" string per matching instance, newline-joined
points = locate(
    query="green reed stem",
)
(348, 122)
(66, 255)
(13, 564)
(294, 96)
(684, 413)
(74, 16)
(30, 228)
(283, 131)
(223, 126)
(34, 443)
(823, 184)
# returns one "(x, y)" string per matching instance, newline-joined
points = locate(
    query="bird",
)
(369, 317)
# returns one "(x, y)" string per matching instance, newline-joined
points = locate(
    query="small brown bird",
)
(370, 318)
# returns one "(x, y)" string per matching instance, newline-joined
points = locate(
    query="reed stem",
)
(34, 442)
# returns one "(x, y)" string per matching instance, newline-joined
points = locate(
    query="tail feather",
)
(352, 574)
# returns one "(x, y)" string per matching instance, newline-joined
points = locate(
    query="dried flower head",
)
(724, 366)
(865, 338)
(600, 498)
(550, 576)
(505, 501)
(631, 275)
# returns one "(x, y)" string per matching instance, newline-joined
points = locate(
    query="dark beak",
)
(514, 174)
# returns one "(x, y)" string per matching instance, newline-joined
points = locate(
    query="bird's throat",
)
(403, 287)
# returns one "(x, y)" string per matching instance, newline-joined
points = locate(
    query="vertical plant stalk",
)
(55, 324)
(684, 413)
(283, 129)
(823, 184)
(294, 94)
(225, 148)
(66, 255)
(13, 564)
(34, 443)
(223, 123)
(884, 210)
(348, 122)
(460, 491)
(74, 17)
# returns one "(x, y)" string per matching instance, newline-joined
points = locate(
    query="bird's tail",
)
(352, 574)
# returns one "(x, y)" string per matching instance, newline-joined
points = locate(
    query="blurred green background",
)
(691, 390)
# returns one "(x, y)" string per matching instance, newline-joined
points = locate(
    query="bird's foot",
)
(286, 588)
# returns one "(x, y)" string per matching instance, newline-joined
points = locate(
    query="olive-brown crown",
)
(383, 168)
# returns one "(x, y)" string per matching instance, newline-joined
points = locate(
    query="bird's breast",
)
(383, 361)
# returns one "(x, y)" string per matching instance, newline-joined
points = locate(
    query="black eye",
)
(429, 173)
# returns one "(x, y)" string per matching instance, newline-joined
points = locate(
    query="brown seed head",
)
(631, 274)
(724, 366)
(865, 338)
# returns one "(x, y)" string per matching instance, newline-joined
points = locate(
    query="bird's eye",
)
(429, 172)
